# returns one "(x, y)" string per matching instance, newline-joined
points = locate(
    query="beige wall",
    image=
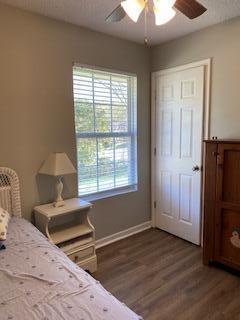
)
(222, 44)
(36, 107)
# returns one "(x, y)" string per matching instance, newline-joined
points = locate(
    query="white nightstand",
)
(76, 237)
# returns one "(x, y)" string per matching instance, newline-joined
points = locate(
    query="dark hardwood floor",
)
(162, 277)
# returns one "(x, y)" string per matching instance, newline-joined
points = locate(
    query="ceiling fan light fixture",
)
(164, 3)
(133, 8)
(163, 15)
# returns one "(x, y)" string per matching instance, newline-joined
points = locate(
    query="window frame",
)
(132, 133)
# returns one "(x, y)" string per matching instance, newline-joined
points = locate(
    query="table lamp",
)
(57, 165)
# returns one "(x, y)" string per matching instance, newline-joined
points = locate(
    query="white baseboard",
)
(123, 234)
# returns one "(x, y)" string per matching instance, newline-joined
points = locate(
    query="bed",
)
(37, 280)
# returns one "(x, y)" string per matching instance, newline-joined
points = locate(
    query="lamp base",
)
(59, 188)
(58, 204)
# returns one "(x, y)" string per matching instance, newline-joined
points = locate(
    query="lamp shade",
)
(163, 11)
(163, 16)
(133, 8)
(164, 3)
(57, 164)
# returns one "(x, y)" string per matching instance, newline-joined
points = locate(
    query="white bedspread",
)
(37, 281)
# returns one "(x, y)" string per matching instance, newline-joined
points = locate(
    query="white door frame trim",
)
(206, 117)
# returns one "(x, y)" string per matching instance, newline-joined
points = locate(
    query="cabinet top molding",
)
(222, 141)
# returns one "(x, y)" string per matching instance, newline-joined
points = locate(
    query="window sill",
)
(109, 193)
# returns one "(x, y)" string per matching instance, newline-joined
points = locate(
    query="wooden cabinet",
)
(222, 203)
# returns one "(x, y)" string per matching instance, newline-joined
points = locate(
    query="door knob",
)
(196, 168)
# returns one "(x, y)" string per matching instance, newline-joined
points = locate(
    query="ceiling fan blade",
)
(191, 8)
(117, 15)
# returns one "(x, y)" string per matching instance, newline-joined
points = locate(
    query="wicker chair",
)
(10, 192)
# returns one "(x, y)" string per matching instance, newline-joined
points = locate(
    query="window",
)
(106, 133)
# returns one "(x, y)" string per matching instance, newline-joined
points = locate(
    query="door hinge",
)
(155, 152)
(155, 204)
(220, 160)
(155, 96)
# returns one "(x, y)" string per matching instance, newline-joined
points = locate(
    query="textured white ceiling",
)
(91, 14)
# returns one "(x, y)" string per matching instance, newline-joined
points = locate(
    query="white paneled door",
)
(179, 131)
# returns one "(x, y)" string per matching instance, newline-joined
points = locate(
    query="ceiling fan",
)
(163, 10)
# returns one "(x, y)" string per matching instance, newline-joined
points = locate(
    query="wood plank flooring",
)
(162, 277)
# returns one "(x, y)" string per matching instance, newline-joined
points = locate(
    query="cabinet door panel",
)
(227, 216)
(231, 176)
(230, 242)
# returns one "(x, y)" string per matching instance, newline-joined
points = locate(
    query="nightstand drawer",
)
(81, 254)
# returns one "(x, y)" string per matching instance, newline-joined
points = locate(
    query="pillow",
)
(4, 220)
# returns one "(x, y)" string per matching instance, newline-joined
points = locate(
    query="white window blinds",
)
(105, 124)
